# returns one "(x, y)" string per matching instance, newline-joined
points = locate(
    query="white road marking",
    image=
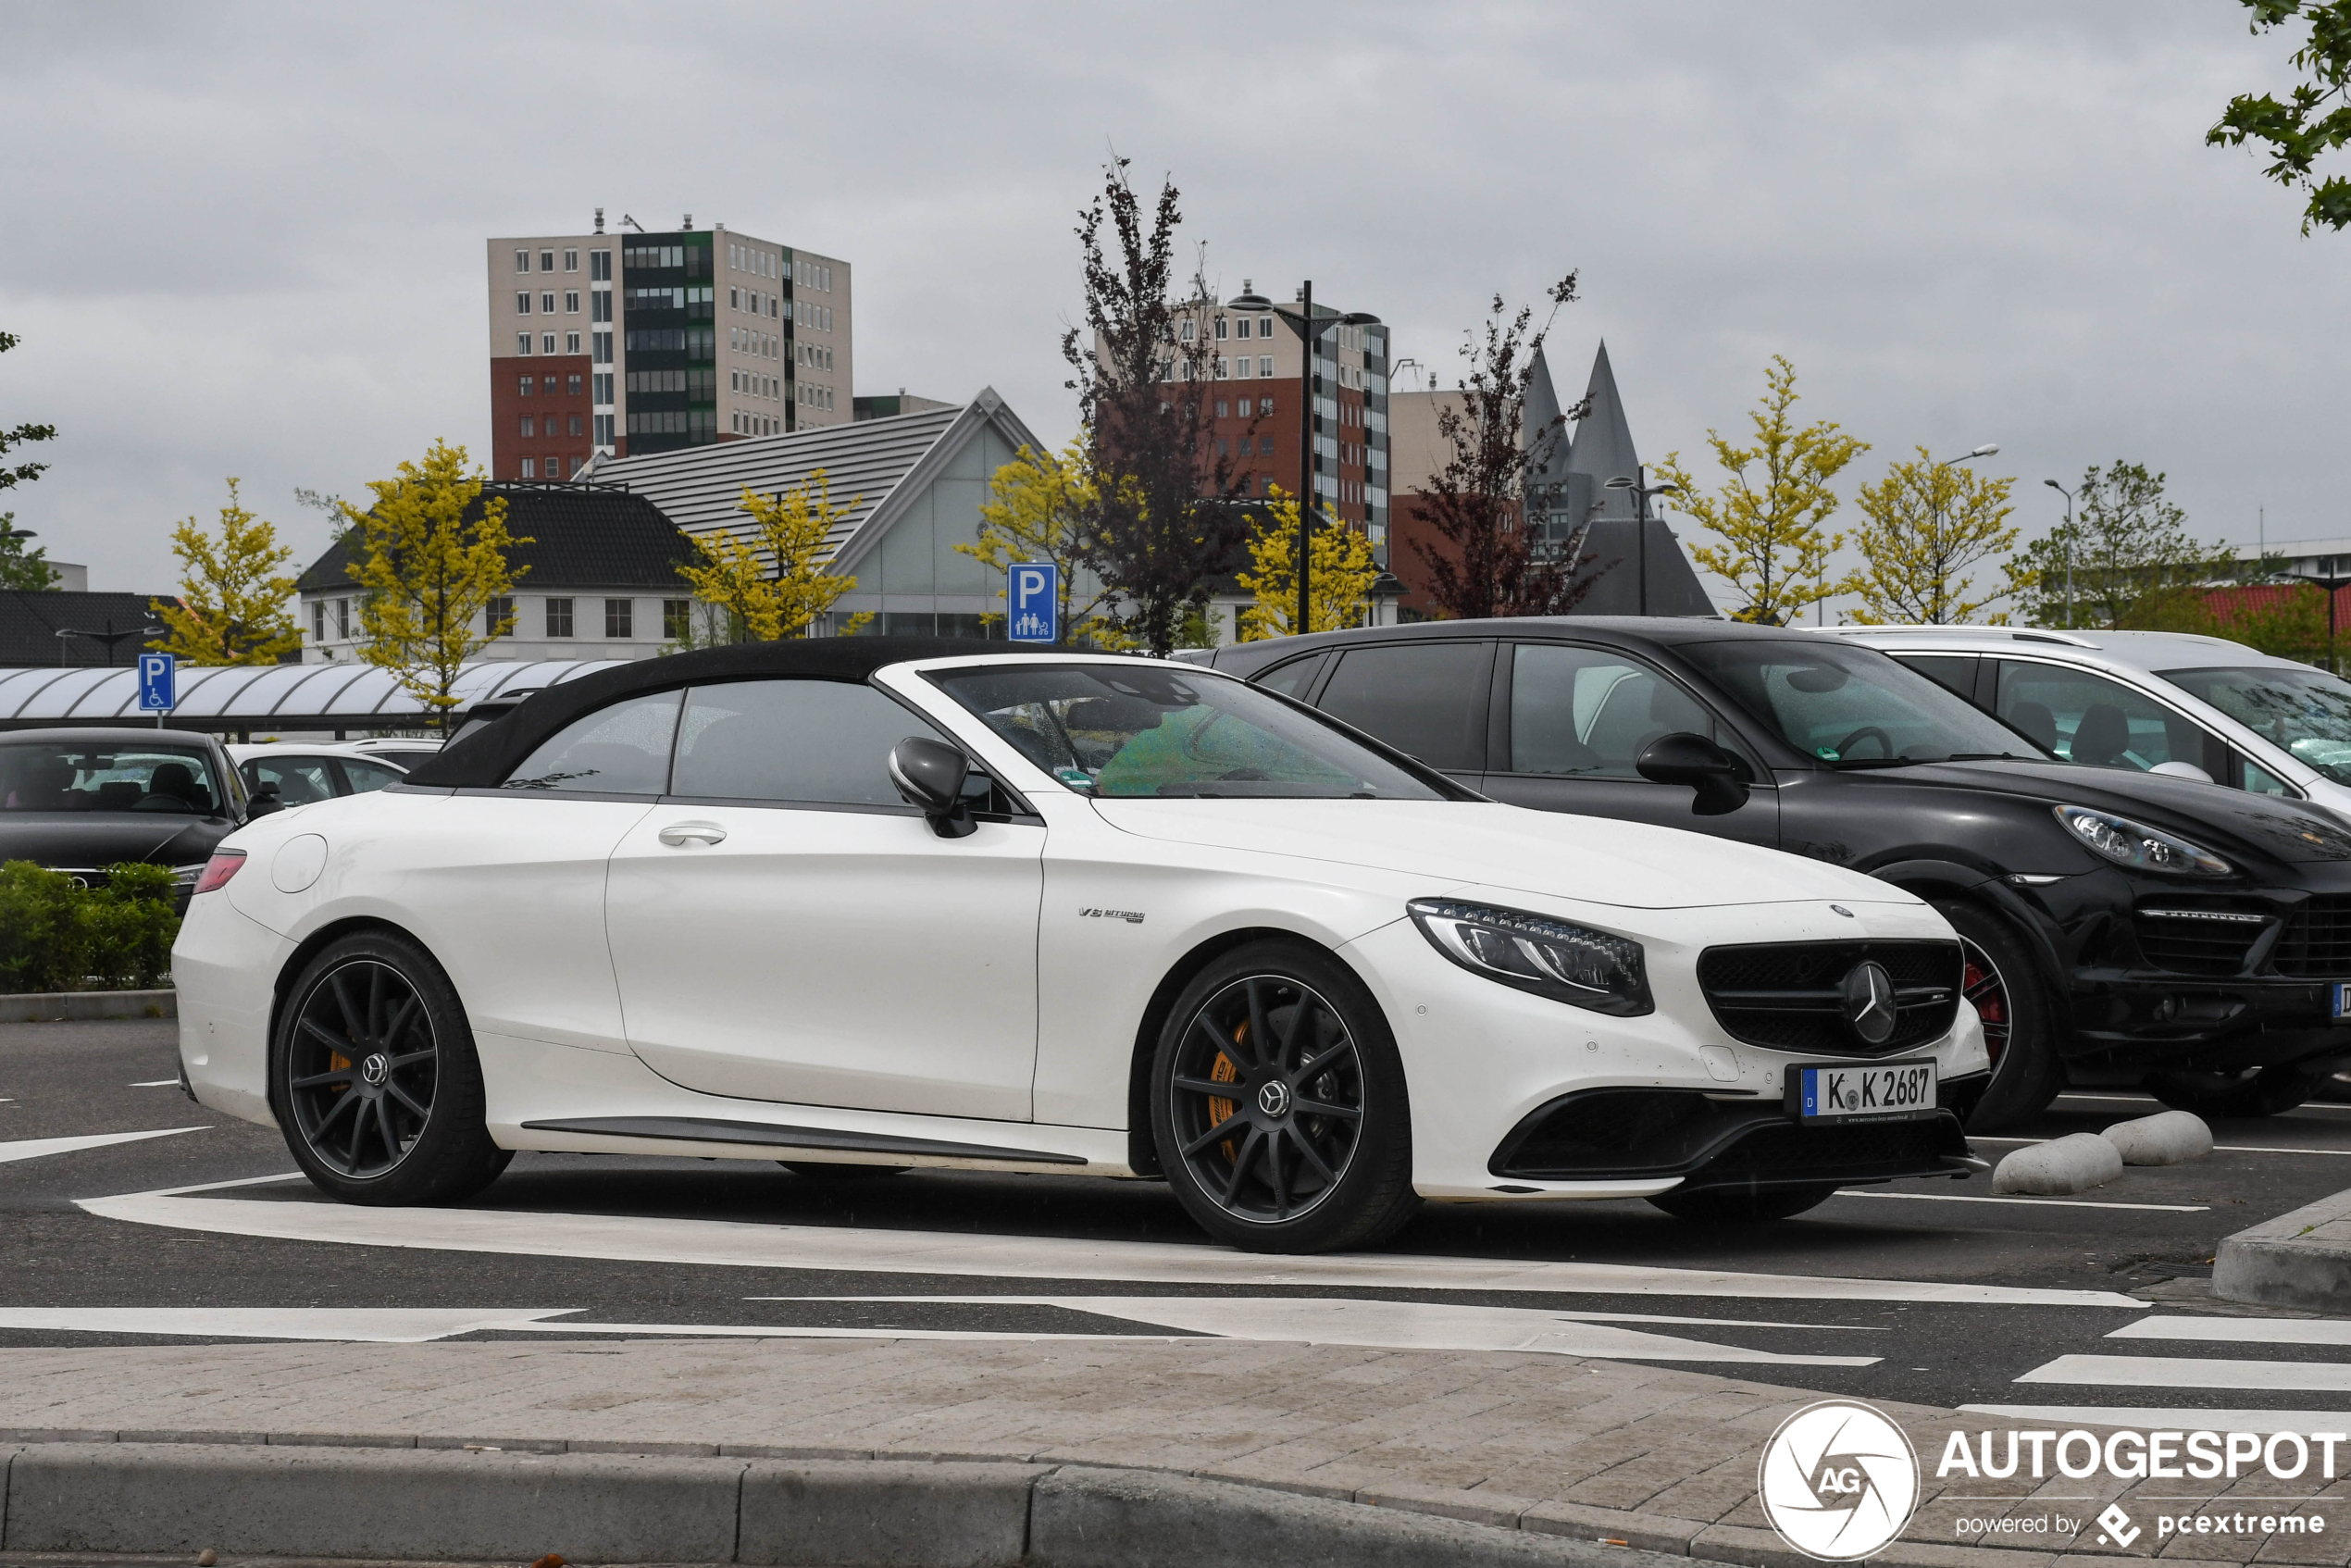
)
(2240, 1330)
(159, 1083)
(1408, 1326)
(2029, 1203)
(35, 1148)
(2184, 1372)
(2168, 1419)
(2118, 1099)
(2216, 1149)
(1078, 1303)
(800, 1331)
(728, 1243)
(383, 1325)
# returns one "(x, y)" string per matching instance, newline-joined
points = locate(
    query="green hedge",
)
(58, 936)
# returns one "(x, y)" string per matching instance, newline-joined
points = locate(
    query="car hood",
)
(92, 838)
(1597, 860)
(2220, 819)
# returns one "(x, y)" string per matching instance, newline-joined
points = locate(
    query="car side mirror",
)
(1699, 762)
(930, 775)
(2182, 770)
(263, 801)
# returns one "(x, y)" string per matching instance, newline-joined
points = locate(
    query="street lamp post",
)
(1310, 333)
(1984, 450)
(1641, 494)
(2068, 549)
(2332, 585)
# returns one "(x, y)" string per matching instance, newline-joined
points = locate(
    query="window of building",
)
(600, 266)
(525, 386)
(530, 468)
(573, 388)
(604, 430)
(1184, 332)
(522, 261)
(547, 343)
(1223, 408)
(530, 426)
(1223, 331)
(619, 617)
(342, 620)
(1240, 366)
(571, 302)
(677, 618)
(571, 345)
(317, 620)
(600, 305)
(1224, 367)
(522, 302)
(576, 463)
(559, 617)
(1266, 367)
(498, 615)
(546, 261)
(571, 261)
(1265, 446)
(547, 303)
(603, 387)
(601, 342)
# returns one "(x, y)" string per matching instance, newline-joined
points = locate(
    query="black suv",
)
(2120, 928)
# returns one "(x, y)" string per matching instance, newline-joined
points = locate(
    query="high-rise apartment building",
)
(636, 342)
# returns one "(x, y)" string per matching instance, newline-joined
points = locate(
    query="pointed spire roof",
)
(1538, 416)
(1603, 448)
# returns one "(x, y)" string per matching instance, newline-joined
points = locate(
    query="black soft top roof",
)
(483, 759)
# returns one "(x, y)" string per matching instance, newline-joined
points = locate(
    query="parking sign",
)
(1033, 600)
(156, 682)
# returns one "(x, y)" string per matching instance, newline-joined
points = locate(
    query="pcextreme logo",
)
(1838, 1480)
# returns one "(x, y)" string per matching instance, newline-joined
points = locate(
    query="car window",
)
(1590, 711)
(823, 742)
(2089, 719)
(1851, 707)
(621, 750)
(1424, 698)
(1953, 672)
(1115, 730)
(70, 776)
(2305, 712)
(1293, 678)
(364, 776)
(300, 780)
(2261, 781)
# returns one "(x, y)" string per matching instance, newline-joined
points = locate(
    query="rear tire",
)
(1278, 1104)
(374, 1078)
(1732, 1205)
(2262, 1091)
(2020, 1023)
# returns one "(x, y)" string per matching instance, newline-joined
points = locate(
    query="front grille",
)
(1786, 995)
(2316, 943)
(2200, 941)
(1786, 1152)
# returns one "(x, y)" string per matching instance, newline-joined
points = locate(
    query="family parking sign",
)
(1033, 598)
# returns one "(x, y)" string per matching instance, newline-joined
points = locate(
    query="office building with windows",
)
(635, 342)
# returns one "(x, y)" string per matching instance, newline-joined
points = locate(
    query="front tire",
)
(2256, 1092)
(375, 1080)
(1279, 1107)
(2020, 1023)
(1735, 1206)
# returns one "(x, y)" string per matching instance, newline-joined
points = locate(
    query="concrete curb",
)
(46, 1007)
(424, 1504)
(2301, 1260)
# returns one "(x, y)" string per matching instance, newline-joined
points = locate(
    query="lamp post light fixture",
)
(1309, 333)
(1986, 449)
(1641, 494)
(2068, 549)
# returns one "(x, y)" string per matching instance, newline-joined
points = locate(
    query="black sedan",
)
(2120, 927)
(79, 801)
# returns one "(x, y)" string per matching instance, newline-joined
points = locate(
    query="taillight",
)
(223, 865)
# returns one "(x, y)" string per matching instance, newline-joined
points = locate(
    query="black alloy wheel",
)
(1742, 1205)
(1278, 1104)
(2252, 1091)
(2019, 1034)
(375, 1079)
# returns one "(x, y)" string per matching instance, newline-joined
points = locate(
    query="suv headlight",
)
(1534, 953)
(2140, 847)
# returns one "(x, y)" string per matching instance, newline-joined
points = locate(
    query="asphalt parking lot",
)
(1935, 1292)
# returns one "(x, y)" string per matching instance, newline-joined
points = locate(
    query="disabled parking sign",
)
(156, 673)
(1032, 601)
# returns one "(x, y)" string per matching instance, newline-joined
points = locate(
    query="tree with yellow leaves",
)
(770, 579)
(233, 606)
(1928, 523)
(1043, 504)
(430, 555)
(1341, 589)
(1773, 551)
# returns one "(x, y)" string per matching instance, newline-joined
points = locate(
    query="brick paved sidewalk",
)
(1656, 1457)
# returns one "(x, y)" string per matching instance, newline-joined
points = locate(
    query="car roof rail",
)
(2014, 634)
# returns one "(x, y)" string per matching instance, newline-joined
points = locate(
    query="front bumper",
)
(2139, 1020)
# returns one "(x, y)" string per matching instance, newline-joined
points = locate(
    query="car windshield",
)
(1852, 707)
(2306, 712)
(1134, 731)
(65, 775)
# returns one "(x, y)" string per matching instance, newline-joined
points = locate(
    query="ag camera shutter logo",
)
(1838, 1481)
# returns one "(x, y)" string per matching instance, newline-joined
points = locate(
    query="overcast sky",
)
(248, 240)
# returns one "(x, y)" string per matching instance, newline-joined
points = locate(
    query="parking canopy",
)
(245, 697)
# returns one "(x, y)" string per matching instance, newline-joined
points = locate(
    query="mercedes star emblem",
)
(1868, 1002)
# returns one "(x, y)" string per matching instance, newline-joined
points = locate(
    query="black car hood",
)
(101, 838)
(2215, 817)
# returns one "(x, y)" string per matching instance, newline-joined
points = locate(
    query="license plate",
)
(1853, 1092)
(2340, 995)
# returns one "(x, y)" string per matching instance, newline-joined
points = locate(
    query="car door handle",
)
(677, 835)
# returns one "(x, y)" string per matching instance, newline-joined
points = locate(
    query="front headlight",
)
(1534, 953)
(2140, 847)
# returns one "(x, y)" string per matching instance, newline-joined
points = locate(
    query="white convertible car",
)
(861, 904)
